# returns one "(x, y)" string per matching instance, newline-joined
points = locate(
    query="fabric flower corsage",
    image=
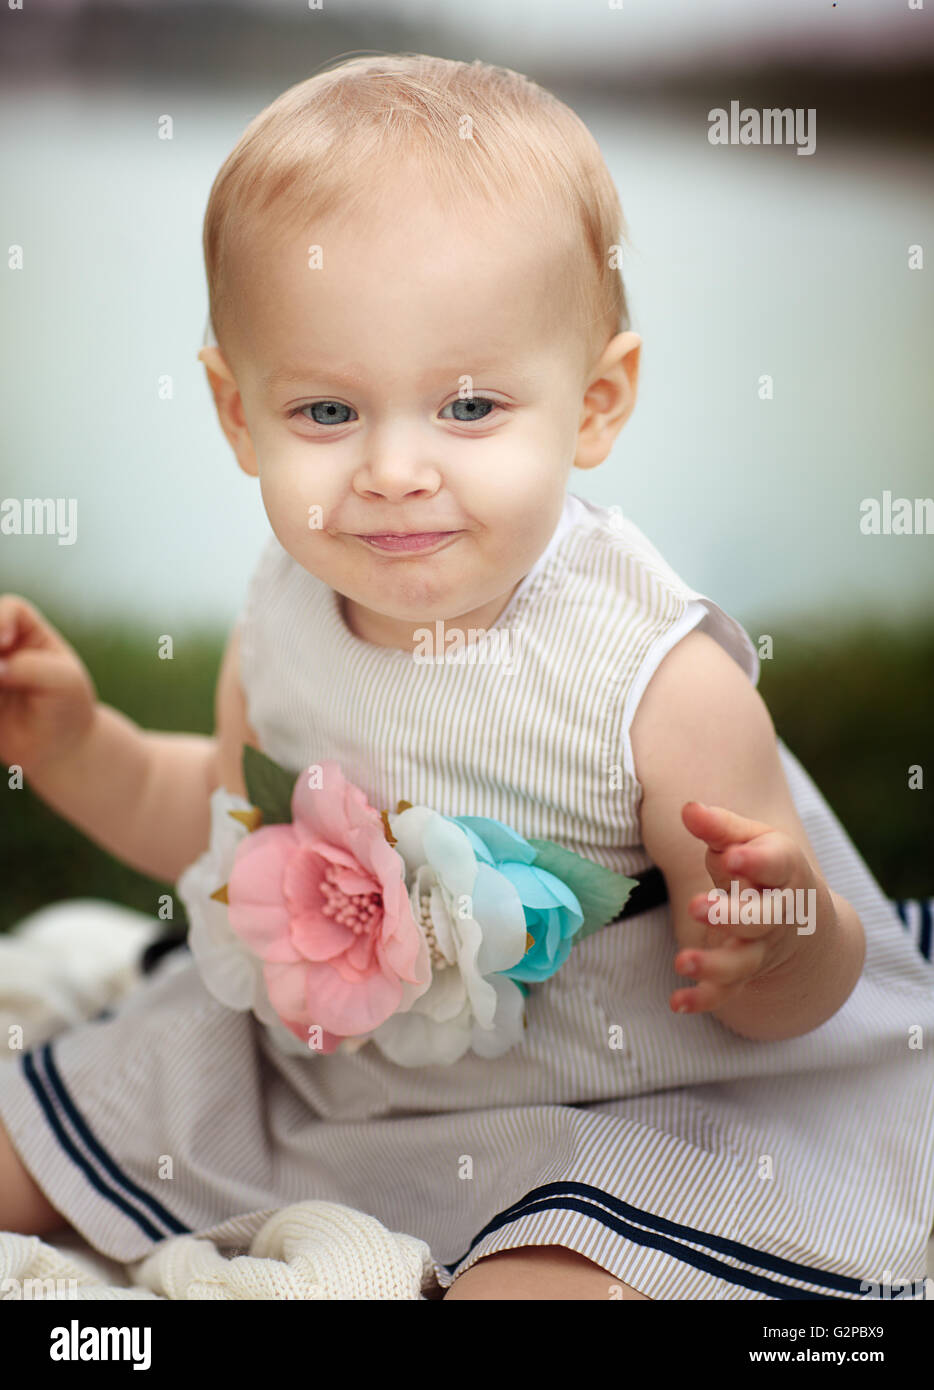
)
(339, 924)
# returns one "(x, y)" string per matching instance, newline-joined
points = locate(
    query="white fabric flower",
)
(475, 926)
(231, 973)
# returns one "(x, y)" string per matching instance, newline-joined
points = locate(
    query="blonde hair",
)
(315, 150)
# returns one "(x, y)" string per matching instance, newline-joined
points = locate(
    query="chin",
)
(412, 597)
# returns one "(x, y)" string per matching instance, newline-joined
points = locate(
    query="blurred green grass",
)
(853, 706)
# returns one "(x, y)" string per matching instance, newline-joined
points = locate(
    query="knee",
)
(538, 1272)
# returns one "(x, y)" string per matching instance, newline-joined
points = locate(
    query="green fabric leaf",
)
(268, 786)
(601, 892)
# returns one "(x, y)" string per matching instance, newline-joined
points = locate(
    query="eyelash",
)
(325, 401)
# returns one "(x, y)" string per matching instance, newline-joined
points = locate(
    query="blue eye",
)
(336, 413)
(472, 408)
(330, 412)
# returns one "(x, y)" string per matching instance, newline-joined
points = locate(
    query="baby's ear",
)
(229, 407)
(215, 363)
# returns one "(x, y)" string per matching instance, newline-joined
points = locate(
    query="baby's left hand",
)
(735, 951)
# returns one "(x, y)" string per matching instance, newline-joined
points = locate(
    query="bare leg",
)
(539, 1271)
(24, 1207)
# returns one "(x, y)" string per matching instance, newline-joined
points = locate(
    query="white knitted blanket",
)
(64, 964)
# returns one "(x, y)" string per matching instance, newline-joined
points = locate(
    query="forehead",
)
(405, 281)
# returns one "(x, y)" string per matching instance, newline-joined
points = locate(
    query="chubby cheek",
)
(298, 501)
(526, 505)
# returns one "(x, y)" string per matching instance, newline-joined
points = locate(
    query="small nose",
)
(396, 466)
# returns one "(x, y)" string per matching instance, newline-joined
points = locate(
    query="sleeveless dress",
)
(686, 1161)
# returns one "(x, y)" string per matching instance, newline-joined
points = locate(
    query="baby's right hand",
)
(47, 696)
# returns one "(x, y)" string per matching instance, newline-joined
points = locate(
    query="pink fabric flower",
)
(323, 903)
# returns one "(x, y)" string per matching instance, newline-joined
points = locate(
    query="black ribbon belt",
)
(650, 891)
(154, 952)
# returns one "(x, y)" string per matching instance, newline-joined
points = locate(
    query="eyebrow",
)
(288, 375)
(354, 377)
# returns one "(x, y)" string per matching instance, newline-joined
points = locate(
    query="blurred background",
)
(745, 261)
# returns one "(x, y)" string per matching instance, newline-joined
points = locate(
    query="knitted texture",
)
(30, 1269)
(312, 1250)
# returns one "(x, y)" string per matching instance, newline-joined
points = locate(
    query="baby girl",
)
(419, 331)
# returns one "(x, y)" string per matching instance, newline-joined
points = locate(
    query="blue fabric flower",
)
(553, 913)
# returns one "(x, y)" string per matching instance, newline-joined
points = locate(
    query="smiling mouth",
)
(407, 541)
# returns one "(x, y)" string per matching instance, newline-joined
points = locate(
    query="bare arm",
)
(142, 795)
(702, 732)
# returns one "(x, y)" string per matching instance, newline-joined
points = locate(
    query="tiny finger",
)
(770, 860)
(721, 827)
(724, 965)
(699, 999)
(753, 917)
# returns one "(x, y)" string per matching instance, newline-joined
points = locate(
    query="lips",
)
(408, 540)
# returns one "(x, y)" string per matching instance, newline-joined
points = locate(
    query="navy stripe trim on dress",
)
(160, 1212)
(43, 1091)
(551, 1195)
(925, 929)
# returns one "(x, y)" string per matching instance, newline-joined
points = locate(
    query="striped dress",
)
(684, 1160)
